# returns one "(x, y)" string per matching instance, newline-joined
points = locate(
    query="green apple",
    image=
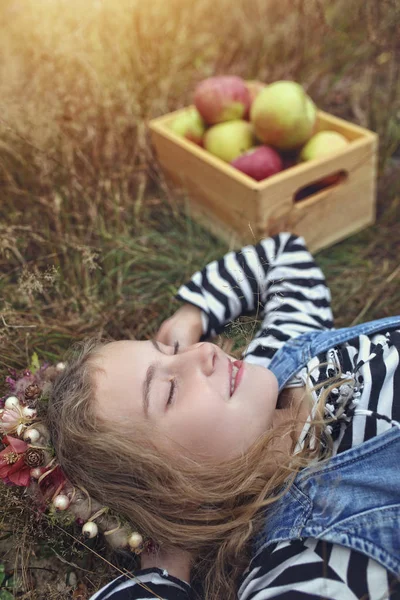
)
(323, 143)
(230, 139)
(283, 115)
(190, 125)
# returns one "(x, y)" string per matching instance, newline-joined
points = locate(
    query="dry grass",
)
(91, 236)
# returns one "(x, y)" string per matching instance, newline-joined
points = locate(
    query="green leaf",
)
(4, 595)
(2, 574)
(35, 364)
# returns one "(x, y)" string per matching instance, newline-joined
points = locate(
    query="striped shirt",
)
(278, 282)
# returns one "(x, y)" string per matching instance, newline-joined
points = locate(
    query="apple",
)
(283, 115)
(229, 140)
(259, 162)
(190, 125)
(322, 144)
(254, 86)
(222, 98)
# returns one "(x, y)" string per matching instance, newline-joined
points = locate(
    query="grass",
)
(91, 236)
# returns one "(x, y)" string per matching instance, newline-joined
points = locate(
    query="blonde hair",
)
(211, 510)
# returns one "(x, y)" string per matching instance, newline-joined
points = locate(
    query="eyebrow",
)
(148, 381)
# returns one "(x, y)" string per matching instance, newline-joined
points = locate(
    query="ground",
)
(91, 235)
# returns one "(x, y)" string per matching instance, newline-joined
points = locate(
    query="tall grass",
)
(91, 237)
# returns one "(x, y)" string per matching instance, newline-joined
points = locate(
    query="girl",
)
(273, 476)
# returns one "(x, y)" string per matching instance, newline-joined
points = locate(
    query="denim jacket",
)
(353, 498)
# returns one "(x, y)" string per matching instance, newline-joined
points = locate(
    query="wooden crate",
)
(242, 210)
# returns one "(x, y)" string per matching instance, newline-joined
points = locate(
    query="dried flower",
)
(10, 381)
(11, 458)
(34, 457)
(14, 420)
(51, 482)
(151, 547)
(32, 393)
(12, 466)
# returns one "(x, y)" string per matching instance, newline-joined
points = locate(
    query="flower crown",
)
(28, 459)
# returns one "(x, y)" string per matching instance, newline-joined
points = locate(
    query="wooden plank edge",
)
(249, 182)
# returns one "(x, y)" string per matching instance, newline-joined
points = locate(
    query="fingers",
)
(185, 327)
(165, 333)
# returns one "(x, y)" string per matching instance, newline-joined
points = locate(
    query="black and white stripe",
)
(155, 580)
(279, 281)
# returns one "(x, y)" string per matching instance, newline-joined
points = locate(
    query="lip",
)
(230, 369)
(239, 364)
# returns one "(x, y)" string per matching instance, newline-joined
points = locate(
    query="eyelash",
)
(173, 384)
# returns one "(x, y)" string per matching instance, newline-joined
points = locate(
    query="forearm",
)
(235, 285)
(297, 300)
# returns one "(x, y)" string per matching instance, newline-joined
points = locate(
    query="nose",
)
(202, 355)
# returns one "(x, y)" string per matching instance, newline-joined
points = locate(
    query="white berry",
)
(61, 502)
(36, 472)
(90, 529)
(135, 540)
(29, 413)
(12, 402)
(31, 436)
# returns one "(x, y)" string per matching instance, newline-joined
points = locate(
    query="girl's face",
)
(187, 395)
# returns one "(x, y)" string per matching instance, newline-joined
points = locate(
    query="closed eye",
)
(173, 382)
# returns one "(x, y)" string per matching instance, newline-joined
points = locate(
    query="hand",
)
(184, 327)
(176, 561)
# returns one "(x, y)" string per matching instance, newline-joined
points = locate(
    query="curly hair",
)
(211, 510)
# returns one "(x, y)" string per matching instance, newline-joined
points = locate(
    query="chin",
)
(264, 384)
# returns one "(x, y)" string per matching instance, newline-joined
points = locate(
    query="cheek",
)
(261, 380)
(202, 419)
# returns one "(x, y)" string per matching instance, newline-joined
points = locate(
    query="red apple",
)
(254, 86)
(283, 115)
(189, 125)
(222, 98)
(259, 162)
(229, 140)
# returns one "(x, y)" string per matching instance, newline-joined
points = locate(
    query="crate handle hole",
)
(311, 189)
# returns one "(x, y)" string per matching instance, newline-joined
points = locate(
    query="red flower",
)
(51, 483)
(12, 465)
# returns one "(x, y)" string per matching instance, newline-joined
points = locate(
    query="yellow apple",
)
(323, 143)
(190, 125)
(229, 140)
